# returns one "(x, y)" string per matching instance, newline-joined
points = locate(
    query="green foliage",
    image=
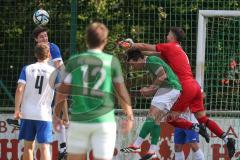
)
(142, 20)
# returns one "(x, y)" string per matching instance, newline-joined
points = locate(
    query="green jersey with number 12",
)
(92, 76)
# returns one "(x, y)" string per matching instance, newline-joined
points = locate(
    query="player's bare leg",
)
(28, 150)
(45, 151)
(62, 154)
(197, 152)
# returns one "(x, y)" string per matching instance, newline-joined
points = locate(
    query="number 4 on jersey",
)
(39, 84)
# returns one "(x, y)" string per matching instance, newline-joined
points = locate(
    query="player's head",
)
(42, 51)
(96, 35)
(176, 34)
(40, 34)
(135, 58)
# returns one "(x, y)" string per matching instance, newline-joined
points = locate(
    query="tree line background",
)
(143, 20)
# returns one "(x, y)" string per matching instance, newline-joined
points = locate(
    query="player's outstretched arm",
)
(128, 43)
(18, 100)
(145, 47)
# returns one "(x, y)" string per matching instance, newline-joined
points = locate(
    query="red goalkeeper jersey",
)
(174, 55)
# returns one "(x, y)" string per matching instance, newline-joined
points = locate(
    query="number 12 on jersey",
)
(85, 78)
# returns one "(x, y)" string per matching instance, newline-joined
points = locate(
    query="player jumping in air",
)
(191, 96)
(166, 90)
(41, 35)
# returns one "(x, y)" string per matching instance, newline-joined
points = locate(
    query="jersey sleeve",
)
(58, 78)
(162, 48)
(55, 52)
(23, 77)
(68, 79)
(66, 72)
(117, 75)
(154, 64)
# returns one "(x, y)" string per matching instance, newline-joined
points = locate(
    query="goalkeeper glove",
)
(127, 43)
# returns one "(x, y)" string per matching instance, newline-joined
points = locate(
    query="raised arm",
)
(145, 47)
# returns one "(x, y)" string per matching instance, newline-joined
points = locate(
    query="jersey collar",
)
(94, 50)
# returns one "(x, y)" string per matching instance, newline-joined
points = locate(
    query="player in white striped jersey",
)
(33, 99)
(190, 137)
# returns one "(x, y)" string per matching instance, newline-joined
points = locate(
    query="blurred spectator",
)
(232, 75)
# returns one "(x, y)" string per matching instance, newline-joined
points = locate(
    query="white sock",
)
(179, 156)
(62, 134)
(138, 142)
(225, 139)
(198, 155)
(62, 139)
(153, 148)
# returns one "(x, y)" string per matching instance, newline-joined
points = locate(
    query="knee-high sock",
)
(62, 139)
(146, 128)
(179, 156)
(181, 123)
(62, 134)
(212, 125)
(155, 134)
(198, 155)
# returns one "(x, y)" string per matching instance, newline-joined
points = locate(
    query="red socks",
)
(181, 123)
(211, 125)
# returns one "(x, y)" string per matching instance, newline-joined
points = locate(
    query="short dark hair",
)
(41, 51)
(38, 30)
(96, 34)
(134, 54)
(178, 32)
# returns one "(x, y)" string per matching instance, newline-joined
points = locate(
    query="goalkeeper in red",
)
(191, 95)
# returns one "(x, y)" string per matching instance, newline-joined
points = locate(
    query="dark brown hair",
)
(41, 51)
(38, 30)
(178, 32)
(96, 34)
(134, 54)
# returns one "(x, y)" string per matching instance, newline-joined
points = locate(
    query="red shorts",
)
(191, 96)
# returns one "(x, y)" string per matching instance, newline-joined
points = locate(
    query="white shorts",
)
(165, 98)
(100, 137)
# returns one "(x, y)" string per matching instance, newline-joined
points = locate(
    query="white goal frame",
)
(201, 37)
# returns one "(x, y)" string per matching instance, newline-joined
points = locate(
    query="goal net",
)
(217, 71)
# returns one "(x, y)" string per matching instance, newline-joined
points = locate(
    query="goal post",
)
(203, 16)
(218, 73)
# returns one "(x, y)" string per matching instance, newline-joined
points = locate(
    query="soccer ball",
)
(41, 17)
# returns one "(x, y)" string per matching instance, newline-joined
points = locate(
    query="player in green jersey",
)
(166, 90)
(93, 79)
